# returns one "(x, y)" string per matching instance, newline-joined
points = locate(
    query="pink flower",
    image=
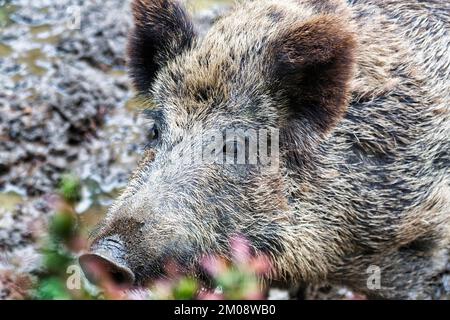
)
(214, 266)
(260, 265)
(240, 249)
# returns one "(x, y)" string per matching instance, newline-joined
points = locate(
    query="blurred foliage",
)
(70, 188)
(238, 284)
(186, 289)
(61, 245)
(235, 279)
(52, 288)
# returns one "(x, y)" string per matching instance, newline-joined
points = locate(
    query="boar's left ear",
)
(162, 31)
(313, 67)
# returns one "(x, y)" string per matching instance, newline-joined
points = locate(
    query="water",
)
(9, 201)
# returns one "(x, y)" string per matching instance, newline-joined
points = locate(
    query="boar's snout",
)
(106, 264)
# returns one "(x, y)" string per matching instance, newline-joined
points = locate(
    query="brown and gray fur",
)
(360, 94)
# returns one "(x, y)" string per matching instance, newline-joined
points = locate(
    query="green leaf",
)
(52, 289)
(70, 188)
(186, 289)
(63, 225)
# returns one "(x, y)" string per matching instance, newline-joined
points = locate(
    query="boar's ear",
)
(314, 63)
(162, 31)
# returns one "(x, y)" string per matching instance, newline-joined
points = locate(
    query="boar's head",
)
(259, 69)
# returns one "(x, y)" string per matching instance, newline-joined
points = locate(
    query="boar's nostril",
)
(106, 264)
(101, 270)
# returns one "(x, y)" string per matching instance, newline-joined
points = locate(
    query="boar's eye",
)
(153, 135)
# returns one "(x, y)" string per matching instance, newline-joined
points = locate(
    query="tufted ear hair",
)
(313, 67)
(162, 30)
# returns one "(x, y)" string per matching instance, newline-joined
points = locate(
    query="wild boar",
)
(359, 93)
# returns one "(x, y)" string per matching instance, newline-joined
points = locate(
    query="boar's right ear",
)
(162, 31)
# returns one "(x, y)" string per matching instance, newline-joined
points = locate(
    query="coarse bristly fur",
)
(360, 93)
